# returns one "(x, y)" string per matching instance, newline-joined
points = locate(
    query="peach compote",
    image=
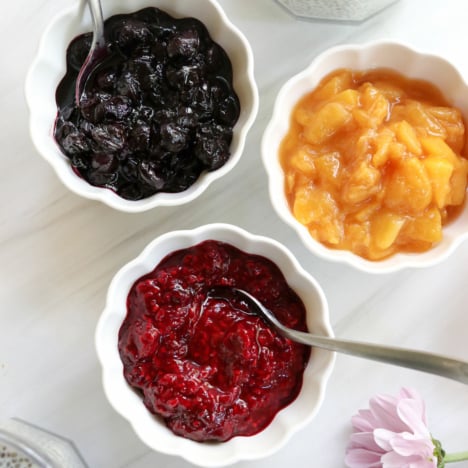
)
(374, 163)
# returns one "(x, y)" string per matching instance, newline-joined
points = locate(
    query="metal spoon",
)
(419, 360)
(97, 52)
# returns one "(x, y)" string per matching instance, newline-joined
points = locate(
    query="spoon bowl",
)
(419, 360)
(97, 53)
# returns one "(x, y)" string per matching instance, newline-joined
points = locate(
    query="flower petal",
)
(411, 412)
(364, 421)
(364, 440)
(384, 409)
(361, 458)
(394, 460)
(408, 444)
(383, 438)
(413, 394)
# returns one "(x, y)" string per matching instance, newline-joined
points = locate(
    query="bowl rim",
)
(318, 370)
(49, 150)
(399, 261)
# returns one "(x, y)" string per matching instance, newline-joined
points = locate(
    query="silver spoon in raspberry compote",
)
(97, 53)
(419, 360)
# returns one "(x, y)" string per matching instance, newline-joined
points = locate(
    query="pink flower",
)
(392, 433)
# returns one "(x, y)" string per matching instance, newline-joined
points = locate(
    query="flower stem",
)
(455, 457)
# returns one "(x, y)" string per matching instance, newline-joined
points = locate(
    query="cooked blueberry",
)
(228, 110)
(151, 174)
(106, 79)
(89, 109)
(101, 179)
(213, 153)
(186, 76)
(146, 113)
(173, 137)
(184, 43)
(109, 137)
(116, 108)
(142, 53)
(185, 171)
(165, 116)
(159, 51)
(86, 127)
(160, 23)
(140, 136)
(186, 118)
(75, 142)
(72, 140)
(104, 162)
(131, 192)
(133, 32)
(212, 147)
(80, 161)
(202, 101)
(145, 74)
(129, 169)
(129, 86)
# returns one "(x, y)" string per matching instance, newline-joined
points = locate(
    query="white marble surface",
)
(58, 253)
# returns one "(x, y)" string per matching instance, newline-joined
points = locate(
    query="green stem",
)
(456, 457)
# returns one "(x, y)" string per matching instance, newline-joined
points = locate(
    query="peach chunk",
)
(417, 116)
(425, 228)
(317, 210)
(327, 121)
(378, 110)
(334, 86)
(409, 188)
(382, 150)
(458, 183)
(439, 170)
(436, 146)
(363, 182)
(406, 134)
(303, 161)
(385, 228)
(327, 167)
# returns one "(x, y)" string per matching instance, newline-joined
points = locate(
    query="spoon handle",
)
(98, 21)
(419, 360)
(96, 52)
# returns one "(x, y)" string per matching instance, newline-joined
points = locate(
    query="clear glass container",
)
(23, 445)
(338, 10)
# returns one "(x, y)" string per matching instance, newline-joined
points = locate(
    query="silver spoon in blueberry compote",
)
(419, 360)
(97, 53)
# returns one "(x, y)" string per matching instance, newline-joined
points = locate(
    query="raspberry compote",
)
(157, 111)
(210, 367)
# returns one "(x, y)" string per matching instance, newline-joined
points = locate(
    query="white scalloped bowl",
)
(48, 68)
(379, 54)
(151, 429)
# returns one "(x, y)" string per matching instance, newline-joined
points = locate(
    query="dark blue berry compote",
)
(157, 111)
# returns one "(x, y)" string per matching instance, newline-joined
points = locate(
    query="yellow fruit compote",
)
(374, 163)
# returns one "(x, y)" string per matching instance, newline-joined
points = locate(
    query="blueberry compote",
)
(157, 111)
(209, 367)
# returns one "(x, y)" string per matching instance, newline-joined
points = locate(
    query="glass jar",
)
(341, 10)
(23, 445)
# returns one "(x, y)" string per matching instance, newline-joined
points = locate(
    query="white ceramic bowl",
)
(153, 431)
(48, 68)
(403, 59)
